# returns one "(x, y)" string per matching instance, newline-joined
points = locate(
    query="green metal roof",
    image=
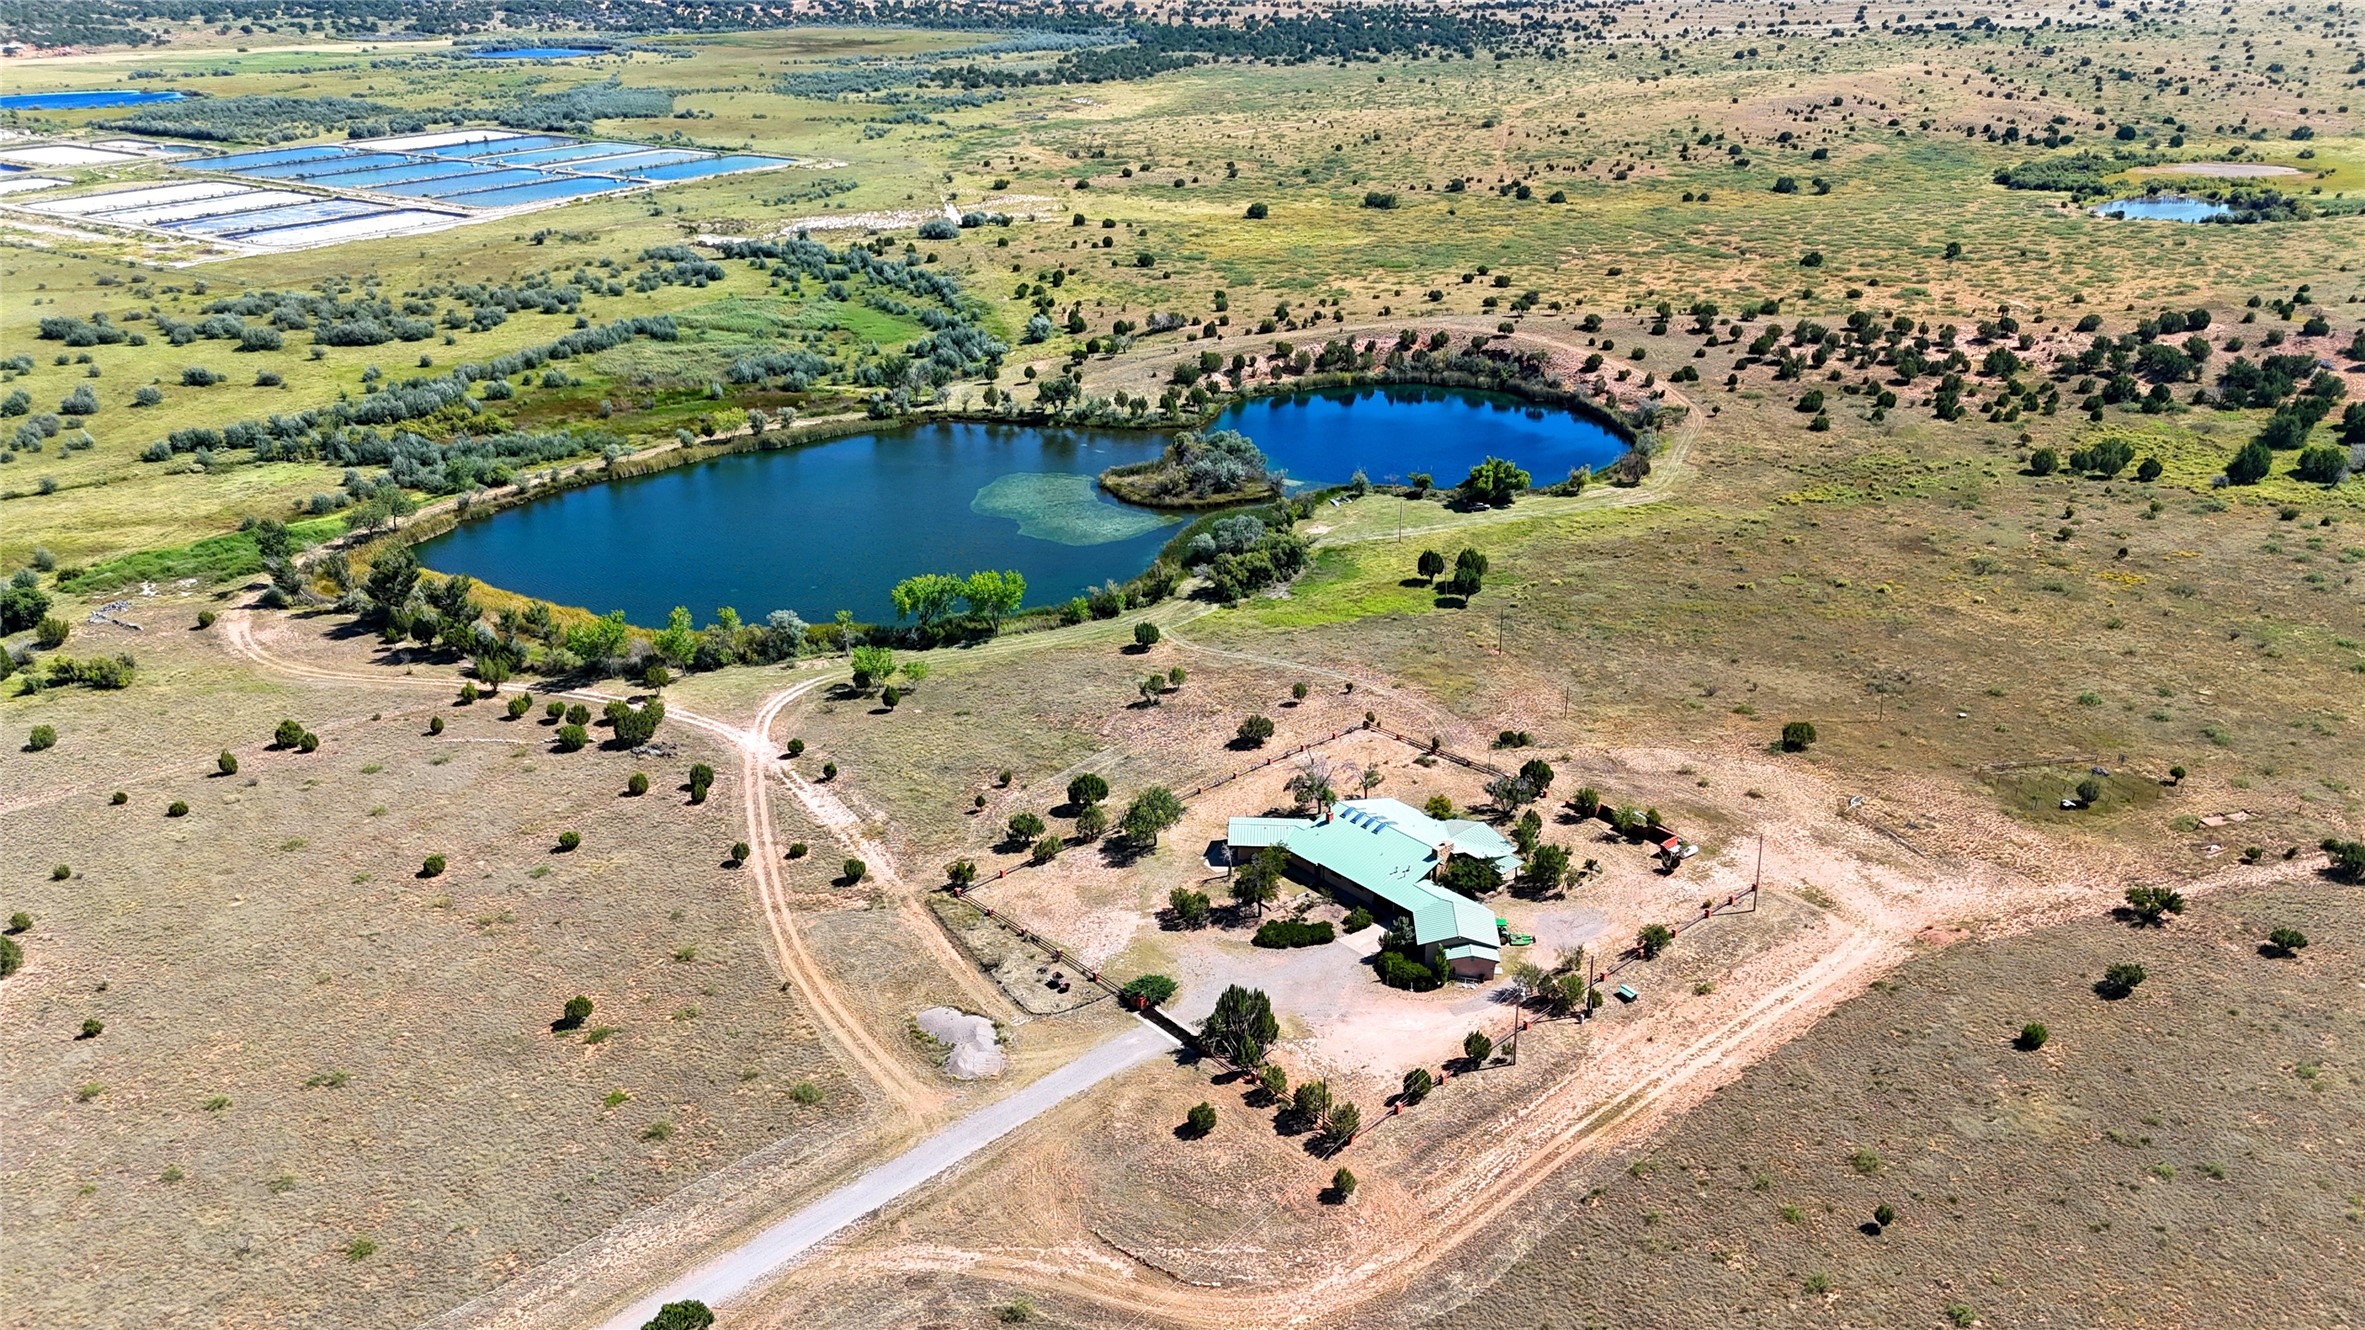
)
(1389, 849)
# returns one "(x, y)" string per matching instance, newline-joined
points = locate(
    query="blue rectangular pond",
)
(565, 153)
(491, 147)
(247, 161)
(79, 101)
(392, 175)
(449, 185)
(359, 161)
(549, 189)
(537, 53)
(710, 166)
(633, 163)
(232, 225)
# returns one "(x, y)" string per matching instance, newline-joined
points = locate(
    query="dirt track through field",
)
(879, 1065)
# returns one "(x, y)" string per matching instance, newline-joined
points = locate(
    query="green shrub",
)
(1417, 1085)
(1357, 920)
(1201, 1119)
(12, 957)
(2032, 1037)
(853, 871)
(433, 867)
(568, 841)
(571, 738)
(42, 737)
(227, 763)
(1149, 990)
(1398, 970)
(2120, 979)
(638, 785)
(1285, 933)
(177, 808)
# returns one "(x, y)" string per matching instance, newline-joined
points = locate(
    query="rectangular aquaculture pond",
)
(549, 190)
(707, 166)
(238, 224)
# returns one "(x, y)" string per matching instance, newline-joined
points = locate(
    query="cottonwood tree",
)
(993, 596)
(1151, 813)
(926, 597)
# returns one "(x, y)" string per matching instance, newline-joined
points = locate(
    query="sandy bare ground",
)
(1635, 1076)
(2219, 170)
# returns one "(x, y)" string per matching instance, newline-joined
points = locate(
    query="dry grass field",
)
(2174, 1158)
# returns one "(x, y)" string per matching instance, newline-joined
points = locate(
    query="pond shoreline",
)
(443, 518)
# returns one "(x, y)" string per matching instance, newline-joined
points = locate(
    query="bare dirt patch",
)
(2219, 170)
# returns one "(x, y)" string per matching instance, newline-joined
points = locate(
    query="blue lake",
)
(78, 101)
(830, 526)
(1389, 433)
(2162, 208)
